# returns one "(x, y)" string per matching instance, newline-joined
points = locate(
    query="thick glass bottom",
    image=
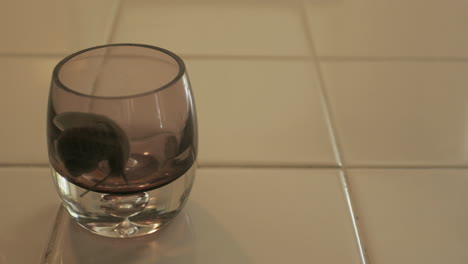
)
(128, 215)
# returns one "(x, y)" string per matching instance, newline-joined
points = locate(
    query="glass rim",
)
(59, 65)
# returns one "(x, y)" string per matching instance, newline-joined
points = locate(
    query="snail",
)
(88, 139)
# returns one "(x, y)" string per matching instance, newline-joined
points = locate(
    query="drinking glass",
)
(122, 137)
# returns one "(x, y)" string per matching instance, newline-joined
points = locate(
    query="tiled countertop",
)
(330, 131)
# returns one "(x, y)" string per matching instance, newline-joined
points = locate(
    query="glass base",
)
(120, 230)
(131, 215)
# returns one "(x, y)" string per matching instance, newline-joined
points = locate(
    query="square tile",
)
(23, 108)
(53, 26)
(260, 112)
(415, 28)
(268, 28)
(232, 217)
(395, 113)
(29, 204)
(413, 216)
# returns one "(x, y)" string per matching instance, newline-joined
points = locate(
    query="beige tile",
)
(413, 216)
(260, 112)
(400, 113)
(254, 216)
(23, 107)
(389, 28)
(215, 27)
(54, 26)
(29, 204)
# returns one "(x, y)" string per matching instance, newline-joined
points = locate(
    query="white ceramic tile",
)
(23, 107)
(389, 27)
(54, 26)
(272, 28)
(259, 112)
(235, 216)
(29, 204)
(413, 216)
(400, 113)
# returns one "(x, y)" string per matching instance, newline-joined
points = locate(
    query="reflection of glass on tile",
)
(72, 244)
(233, 216)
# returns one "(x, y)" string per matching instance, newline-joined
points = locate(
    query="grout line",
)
(117, 8)
(323, 92)
(184, 56)
(244, 57)
(354, 218)
(377, 167)
(35, 55)
(260, 57)
(103, 61)
(390, 58)
(24, 165)
(47, 256)
(271, 166)
(334, 137)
